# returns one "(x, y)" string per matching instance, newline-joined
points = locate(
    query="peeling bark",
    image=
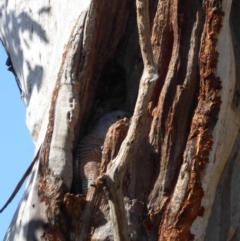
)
(187, 206)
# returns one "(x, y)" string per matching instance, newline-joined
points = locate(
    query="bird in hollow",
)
(110, 93)
(88, 156)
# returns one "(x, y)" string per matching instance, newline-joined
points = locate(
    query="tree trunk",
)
(118, 158)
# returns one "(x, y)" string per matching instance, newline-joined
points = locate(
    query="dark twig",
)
(20, 183)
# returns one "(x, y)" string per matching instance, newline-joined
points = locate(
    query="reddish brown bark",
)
(162, 189)
(181, 116)
(200, 139)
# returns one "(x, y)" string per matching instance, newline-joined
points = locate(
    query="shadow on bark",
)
(14, 26)
(234, 23)
(224, 221)
(16, 224)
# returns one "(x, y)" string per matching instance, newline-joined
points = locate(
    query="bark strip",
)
(113, 178)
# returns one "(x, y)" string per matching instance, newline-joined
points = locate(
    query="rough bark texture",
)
(89, 63)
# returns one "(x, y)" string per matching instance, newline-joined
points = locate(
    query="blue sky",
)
(16, 146)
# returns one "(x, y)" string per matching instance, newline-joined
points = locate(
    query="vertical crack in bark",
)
(161, 125)
(185, 204)
(174, 112)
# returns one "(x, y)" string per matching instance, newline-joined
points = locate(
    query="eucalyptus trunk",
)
(168, 168)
